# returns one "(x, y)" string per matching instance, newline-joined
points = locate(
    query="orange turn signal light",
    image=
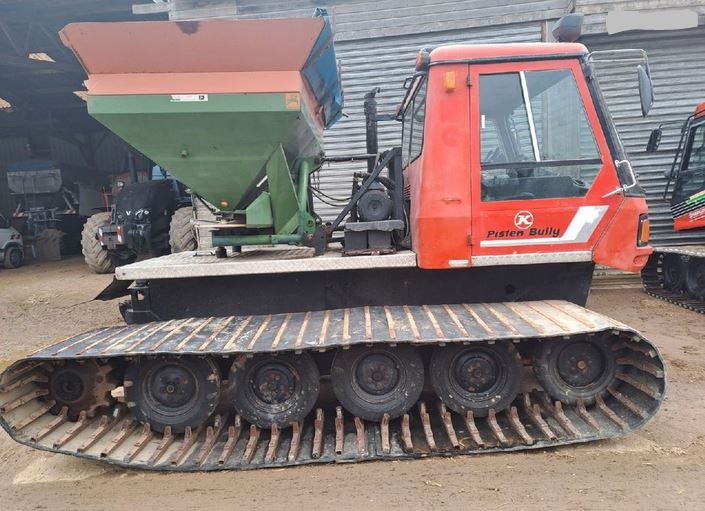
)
(644, 231)
(224, 204)
(449, 81)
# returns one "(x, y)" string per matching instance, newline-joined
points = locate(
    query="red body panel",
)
(693, 220)
(452, 227)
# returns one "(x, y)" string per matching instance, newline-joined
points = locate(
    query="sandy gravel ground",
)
(660, 467)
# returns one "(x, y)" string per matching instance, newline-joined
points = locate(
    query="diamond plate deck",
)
(257, 261)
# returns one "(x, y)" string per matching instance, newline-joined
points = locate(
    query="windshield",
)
(535, 138)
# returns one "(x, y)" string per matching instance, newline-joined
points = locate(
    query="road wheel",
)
(370, 382)
(695, 278)
(182, 235)
(476, 378)
(674, 271)
(575, 370)
(269, 389)
(172, 391)
(97, 258)
(13, 257)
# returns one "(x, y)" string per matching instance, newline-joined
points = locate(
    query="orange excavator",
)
(677, 273)
(440, 313)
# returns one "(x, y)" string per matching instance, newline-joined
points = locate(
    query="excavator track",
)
(652, 278)
(106, 427)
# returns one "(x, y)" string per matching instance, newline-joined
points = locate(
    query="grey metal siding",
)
(595, 11)
(678, 75)
(385, 63)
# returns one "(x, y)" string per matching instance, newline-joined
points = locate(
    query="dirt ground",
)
(659, 467)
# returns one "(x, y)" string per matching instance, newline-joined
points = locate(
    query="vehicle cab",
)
(512, 158)
(11, 245)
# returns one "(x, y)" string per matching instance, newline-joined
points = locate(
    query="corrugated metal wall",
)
(678, 75)
(385, 63)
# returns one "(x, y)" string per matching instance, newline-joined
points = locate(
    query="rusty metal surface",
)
(330, 434)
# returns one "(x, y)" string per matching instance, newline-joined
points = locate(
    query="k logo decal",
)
(523, 219)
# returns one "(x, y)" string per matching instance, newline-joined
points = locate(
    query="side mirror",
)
(654, 140)
(646, 89)
(568, 29)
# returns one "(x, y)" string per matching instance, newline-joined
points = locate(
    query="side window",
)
(413, 128)
(539, 143)
(691, 178)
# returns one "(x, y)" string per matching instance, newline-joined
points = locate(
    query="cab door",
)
(540, 164)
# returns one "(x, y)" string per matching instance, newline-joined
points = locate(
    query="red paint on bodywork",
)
(449, 221)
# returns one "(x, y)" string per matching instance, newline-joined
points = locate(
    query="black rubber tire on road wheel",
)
(674, 270)
(575, 370)
(182, 235)
(13, 257)
(370, 382)
(695, 277)
(172, 391)
(269, 389)
(476, 378)
(97, 258)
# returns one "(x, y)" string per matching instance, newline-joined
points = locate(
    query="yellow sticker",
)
(292, 101)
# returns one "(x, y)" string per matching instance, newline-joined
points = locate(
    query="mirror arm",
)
(624, 188)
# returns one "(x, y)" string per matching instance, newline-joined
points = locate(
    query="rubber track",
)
(652, 281)
(331, 435)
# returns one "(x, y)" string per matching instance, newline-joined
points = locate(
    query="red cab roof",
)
(700, 110)
(490, 51)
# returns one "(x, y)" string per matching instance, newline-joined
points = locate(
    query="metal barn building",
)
(377, 42)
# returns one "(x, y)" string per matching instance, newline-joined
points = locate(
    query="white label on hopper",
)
(183, 98)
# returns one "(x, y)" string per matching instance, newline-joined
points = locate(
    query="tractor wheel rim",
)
(377, 374)
(581, 364)
(172, 387)
(274, 383)
(477, 372)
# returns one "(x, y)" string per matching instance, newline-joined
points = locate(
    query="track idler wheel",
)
(695, 278)
(575, 370)
(172, 391)
(269, 389)
(370, 382)
(80, 386)
(476, 378)
(674, 272)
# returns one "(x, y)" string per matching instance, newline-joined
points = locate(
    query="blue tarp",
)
(321, 72)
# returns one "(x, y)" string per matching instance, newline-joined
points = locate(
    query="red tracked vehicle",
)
(677, 274)
(444, 317)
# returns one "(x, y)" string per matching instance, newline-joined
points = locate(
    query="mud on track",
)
(659, 467)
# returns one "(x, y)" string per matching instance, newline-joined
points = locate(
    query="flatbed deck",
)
(268, 260)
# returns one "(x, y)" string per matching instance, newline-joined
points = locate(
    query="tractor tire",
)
(13, 257)
(182, 235)
(97, 258)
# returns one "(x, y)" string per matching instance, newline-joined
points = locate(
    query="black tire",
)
(370, 382)
(14, 257)
(172, 391)
(575, 370)
(269, 389)
(476, 378)
(182, 235)
(674, 272)
(97, 258)
(695, 278)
